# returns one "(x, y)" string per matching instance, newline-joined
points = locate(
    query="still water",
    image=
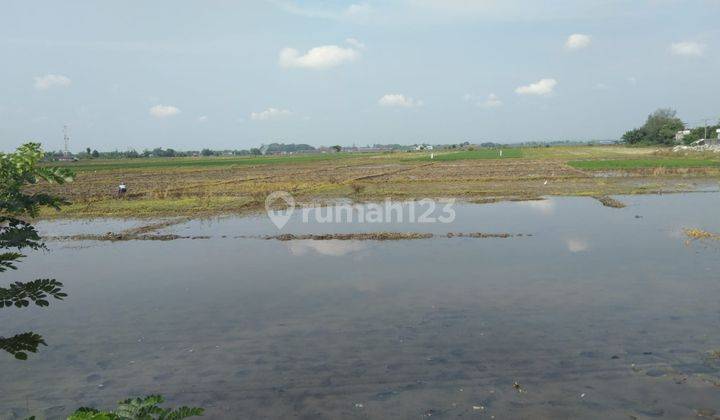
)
(601, 313)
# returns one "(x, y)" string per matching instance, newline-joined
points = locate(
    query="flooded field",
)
(591, 311)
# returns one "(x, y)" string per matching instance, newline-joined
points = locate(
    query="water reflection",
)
(333, 248)
(598, 315)
(577, 245)
(545, 207)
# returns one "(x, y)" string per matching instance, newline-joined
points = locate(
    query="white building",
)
(680, 135)
(423, 147)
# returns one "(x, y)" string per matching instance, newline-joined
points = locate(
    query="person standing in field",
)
(122, 189)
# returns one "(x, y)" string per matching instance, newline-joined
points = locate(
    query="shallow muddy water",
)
(601, 313)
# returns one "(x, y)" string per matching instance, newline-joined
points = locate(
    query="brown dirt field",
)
(237, 189)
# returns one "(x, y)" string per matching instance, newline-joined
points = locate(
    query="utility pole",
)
(66, 138)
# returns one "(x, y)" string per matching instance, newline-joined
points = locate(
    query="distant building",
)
(356, 149)
(680, 135)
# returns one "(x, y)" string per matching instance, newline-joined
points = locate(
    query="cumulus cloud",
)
(164, 111)
(323, 57)
(398, 100)
(202, 118)
(688, 49)
(577, 42)
(542, 87)
(268, 114)
(51, 80)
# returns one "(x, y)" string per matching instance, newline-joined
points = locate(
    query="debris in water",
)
(117, 237)
(609, 201)
(371, 236)
(382, 236)
(714, 354)
(705, 412)
(518, 387)
(699, 234)
(484, 235)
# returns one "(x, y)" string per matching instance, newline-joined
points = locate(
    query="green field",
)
(470, 154)
(626, 164)
(198, 162)
(194, 186)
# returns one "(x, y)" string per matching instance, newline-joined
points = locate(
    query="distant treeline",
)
(663, 127)
(292, 148)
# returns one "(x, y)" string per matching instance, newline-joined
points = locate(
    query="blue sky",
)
(236, 74)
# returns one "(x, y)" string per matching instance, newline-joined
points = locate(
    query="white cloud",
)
(398, 100)
(601, 86)
(163, 111)
(542, 87)
(323, 57)
(492, 101)
(51, 80)
(688, 49)
(355, 43)
(202, 118)
(269, 113)
(577, 42)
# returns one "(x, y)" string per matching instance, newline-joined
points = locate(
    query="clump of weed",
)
(372, 236)
(699, 234)
(609, 202)
(357, 188)
(660, 171)
(258, 197)
(714, 355)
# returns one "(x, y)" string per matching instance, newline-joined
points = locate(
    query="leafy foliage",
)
(8, 259)
(146, 408)
(18, 171)
(659, 128)
(20, 344)
(15, 233)
(36, 291)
